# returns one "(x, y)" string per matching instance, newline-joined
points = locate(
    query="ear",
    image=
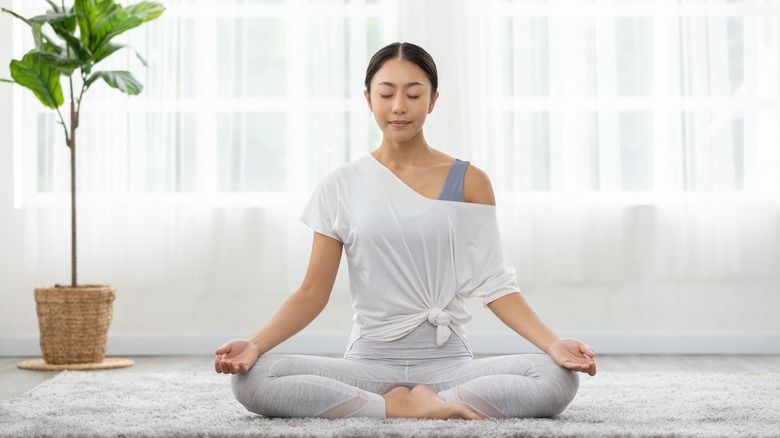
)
(368, 100)
(433, 102)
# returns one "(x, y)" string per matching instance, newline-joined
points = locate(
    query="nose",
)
(399, 106)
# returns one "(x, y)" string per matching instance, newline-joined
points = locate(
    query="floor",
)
(14, 382)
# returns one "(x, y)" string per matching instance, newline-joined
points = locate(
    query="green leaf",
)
(121, 80)
(71, 23)
(43, 43)
(146, 11)
(113, 25)
(106, 50)
(82, 52)
(64, 64)
(140, 58)
(89, 13)
(52, 17)
(53, 5)
(8, 11)
(40, 76)
(101, 20)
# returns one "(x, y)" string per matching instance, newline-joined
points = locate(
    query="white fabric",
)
(411, 259)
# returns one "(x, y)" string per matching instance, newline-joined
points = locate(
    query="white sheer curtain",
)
(625, 140)
(197, 183)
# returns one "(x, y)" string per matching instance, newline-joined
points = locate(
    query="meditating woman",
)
(420, 234)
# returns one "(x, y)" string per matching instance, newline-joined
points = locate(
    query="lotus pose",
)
(420, 234)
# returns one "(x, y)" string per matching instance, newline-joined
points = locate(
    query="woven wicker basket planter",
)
(74, 322)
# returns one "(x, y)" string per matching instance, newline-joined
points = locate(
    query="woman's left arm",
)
(515, 312)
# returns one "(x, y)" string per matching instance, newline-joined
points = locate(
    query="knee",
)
(562, 385)
(248, 389)
(552, 389)
(242, 390)
(258, 389)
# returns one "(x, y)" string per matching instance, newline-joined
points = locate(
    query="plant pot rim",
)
(79, 287)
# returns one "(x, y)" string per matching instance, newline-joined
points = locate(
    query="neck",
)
(414, 152)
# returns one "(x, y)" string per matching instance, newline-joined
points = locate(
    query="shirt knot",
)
(441, 319)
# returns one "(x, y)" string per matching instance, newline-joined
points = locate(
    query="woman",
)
(420, 234)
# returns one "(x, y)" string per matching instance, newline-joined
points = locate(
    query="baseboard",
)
(482, 342)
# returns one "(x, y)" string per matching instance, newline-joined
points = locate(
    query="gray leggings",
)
(519, 386)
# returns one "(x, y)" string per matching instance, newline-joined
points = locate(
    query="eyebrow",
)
(410, 84)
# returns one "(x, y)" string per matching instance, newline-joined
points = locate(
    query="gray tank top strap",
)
(453, 185)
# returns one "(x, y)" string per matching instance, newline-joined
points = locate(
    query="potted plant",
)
(70, 42)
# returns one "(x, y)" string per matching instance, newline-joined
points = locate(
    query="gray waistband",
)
(419, 345)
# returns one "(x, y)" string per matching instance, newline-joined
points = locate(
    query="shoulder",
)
(347, 172)
(477, 188)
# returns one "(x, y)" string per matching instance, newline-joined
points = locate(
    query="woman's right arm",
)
(300, 309)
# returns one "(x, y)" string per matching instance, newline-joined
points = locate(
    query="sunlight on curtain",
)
(247, 105)
(626, 140)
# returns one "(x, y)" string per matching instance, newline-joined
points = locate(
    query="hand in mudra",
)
(574, 355)
(237, 356)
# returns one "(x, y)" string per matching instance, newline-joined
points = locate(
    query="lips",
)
(400, 123)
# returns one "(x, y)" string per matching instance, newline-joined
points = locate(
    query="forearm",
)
(296, 313)
(515, 312)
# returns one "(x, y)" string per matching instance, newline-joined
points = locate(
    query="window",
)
(596, 96)
(634, 95)
(237, 93)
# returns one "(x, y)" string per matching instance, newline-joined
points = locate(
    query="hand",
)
(574, 355)
(237, 356)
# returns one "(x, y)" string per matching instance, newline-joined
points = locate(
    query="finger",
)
(584, 367)
(217, 368)
(222, 366)
(589, 368)
(572, 365)
(227, 348)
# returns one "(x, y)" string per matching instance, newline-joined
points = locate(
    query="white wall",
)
(200, 300)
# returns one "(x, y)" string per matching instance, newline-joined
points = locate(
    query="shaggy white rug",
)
(105, 404)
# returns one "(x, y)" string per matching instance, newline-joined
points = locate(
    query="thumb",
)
(584, 349)
(227, 348)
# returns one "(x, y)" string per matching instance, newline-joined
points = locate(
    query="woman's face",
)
(400, 99)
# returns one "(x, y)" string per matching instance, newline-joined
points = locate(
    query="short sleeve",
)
(484, 269)
(498, 279)
(320, 212)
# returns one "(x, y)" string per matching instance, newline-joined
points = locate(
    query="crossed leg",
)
(309, 386)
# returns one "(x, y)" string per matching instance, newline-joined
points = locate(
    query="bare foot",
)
(422, 402)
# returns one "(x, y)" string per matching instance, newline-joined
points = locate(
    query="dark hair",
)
(408, 51)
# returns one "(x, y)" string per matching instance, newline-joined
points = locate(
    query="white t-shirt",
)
(411, 258)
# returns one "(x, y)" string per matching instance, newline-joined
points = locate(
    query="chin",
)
(401, 138)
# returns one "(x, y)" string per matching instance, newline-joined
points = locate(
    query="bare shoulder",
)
(477, 188)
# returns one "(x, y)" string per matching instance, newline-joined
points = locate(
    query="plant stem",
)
(74, 117)
(64, 128)
(74, 262)
(74, 123)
